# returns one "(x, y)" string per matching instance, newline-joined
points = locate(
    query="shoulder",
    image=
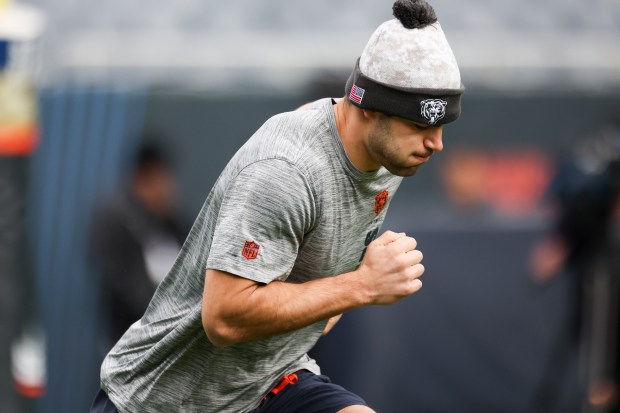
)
(273, 190)
(275, 176)
(307, 120)
(293, 136)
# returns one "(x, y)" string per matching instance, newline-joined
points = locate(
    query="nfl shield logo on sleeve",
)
(250, 250)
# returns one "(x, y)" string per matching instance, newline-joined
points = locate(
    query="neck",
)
(353, 128)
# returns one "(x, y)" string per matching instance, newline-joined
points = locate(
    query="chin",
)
(402, 171)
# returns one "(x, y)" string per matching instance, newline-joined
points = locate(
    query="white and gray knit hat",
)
(408, 69)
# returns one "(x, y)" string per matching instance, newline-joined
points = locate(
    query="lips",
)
(422, 159)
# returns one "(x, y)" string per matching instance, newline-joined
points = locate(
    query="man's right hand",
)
(391, 268)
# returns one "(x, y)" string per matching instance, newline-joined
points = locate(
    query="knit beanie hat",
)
(408, 69)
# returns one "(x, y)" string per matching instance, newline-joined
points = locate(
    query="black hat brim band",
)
(426, 106)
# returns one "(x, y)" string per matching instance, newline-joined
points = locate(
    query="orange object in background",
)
(464, 175)
(517, 180)
(510, 182)
(16, 140)
(19, 133)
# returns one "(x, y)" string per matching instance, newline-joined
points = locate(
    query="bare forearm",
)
(235, 309)
(261, 311)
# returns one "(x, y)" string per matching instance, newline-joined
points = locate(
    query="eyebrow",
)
(417, 124)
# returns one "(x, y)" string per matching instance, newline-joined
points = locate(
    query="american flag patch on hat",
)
(356, 95)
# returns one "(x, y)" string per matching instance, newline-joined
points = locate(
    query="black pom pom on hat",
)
(414, 14)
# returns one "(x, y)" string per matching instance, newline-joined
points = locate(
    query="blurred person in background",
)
(136, 237)
(287, 241)
(585, 242)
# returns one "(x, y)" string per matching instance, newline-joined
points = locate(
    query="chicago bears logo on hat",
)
(433, 110)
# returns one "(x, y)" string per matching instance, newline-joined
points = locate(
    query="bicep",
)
(223, 289)
(225, 301)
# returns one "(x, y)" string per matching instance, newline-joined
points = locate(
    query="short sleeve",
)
(265, 212)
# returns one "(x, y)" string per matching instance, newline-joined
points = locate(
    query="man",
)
(135, 239)
(584, 244)
(287, 238)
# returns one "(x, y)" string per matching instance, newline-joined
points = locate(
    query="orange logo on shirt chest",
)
(250, 250)
(380, 201)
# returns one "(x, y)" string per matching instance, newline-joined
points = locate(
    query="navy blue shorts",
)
(311, 394)
(102, 404)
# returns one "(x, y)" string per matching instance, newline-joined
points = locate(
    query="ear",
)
(369, 114)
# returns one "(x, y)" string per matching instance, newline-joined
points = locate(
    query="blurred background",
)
(116, 118)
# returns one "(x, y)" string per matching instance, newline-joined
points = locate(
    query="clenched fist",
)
(391, 268)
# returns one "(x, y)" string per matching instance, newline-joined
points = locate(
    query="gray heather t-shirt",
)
(289, 206)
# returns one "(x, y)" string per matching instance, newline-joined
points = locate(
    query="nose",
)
(433, 138)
